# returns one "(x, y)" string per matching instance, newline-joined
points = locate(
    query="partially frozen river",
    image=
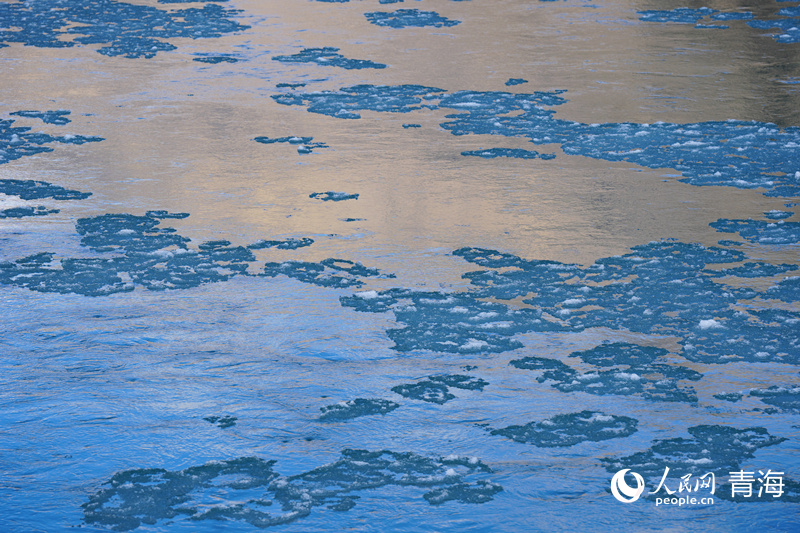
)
(399, 266)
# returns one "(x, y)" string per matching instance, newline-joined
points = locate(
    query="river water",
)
(431, 265)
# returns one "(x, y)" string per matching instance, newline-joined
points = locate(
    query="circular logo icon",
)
(624, 492)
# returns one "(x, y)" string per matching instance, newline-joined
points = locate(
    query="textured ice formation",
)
(346, 101)
(216, 59)
(519, 153)
(335, 273)
(571, 429)
(786, 399)
(405, 18)
(125, 29)
(455, 323)
(351, 409)
(19, 212)
(332, 196)
(58, 117)
(407, 126)
(248, 489)
(732, 397)
(460, 381)
(756, 269)
(515, 81)
(624, 369)
(787, 23)
(287, 244)
(328, 56)
(760, 231)
(747, 155)
(35, 190)
(222, 422)
(17, 141)
(683, 15)
(788, 26)
(304, 144)
(436, 389)
(711, 448)
(660, 288)
(137, 252)
(425, 390)
(778, 215)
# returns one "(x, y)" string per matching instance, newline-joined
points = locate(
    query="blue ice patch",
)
(18, 141)
(570, 429)
(408, 18)
(250, 490)
(518, 153)
(328, 56)
(127, 30)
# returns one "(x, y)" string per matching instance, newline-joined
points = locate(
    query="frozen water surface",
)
(541, 243)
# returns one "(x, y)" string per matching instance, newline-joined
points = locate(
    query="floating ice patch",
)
(405, 18)
(249, 490)
(788, 27)
(222, 422)
(351, 409)
(425, 390)
(756, 269)
(629, 292)
(624, 369)
(787, 399)
(515, 81)
(128, 30)
(682, 15)
(761, 231)
(335, 273)
(745, 15)
(571, 429)
(778, 215)
(732, 397)
(19, 212)
(345, 102)
(213, 60)
(140, 253)
(460, 381)
(519, 153)
(661, 288)
(332, 196)
(288, 244)
(304, 144)
(429, 323)
(58, 117)
(711, 448)
(731, 153)
(436, 389)
(328, 56)
(36, 190)
(479, 492)
(17, 142)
